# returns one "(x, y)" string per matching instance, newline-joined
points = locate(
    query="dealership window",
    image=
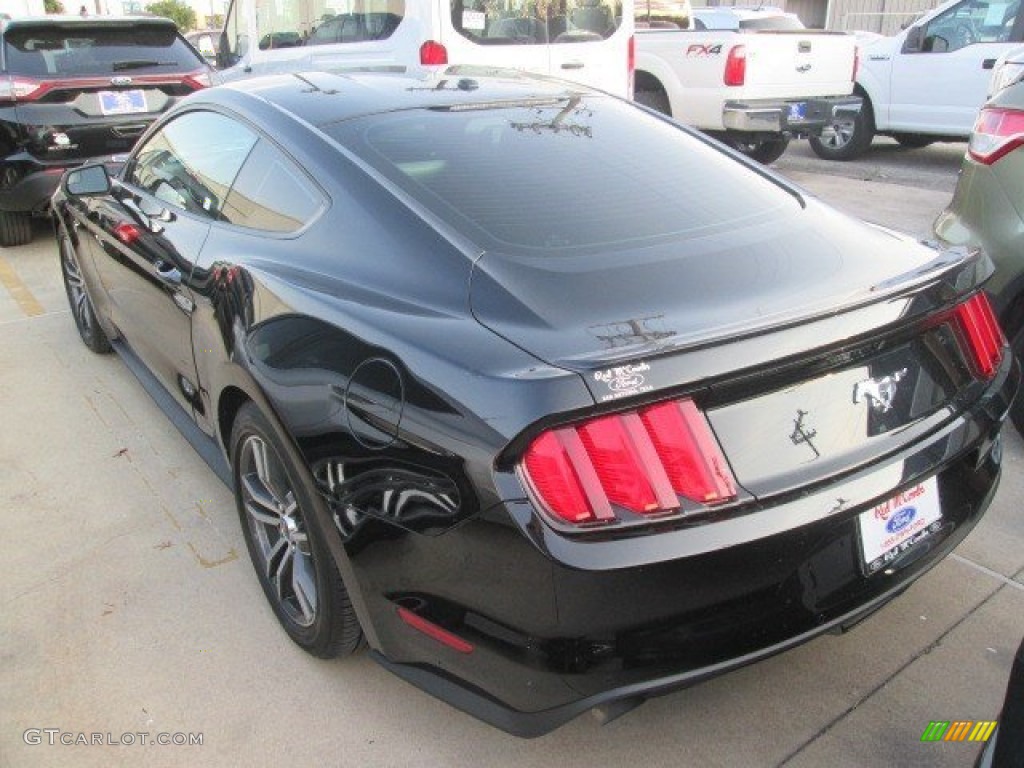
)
(532, 22)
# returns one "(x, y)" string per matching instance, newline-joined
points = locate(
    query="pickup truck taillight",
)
(642, 461)
(736, 65)
(856, 64)
(997, 132)
(432, 52)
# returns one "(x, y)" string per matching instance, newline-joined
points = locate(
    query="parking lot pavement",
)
(129, 608)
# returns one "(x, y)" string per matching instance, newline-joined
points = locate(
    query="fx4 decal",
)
(699, 49)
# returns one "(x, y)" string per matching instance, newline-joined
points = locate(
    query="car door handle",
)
(572, 65)
(988, 63)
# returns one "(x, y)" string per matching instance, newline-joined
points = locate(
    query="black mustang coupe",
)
(554, 403)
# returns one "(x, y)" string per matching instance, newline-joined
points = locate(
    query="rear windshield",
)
(84, 50)
(777, 23)
(566, 173)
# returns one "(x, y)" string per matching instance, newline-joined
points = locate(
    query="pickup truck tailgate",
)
(799, 63)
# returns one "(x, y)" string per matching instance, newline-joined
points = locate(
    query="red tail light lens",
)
(641, 461)
(690, 455)
(20, 89)
(736, 66)
(984, 337)
(432, 52)
(856, 64)
(199, 80)
(996, 133)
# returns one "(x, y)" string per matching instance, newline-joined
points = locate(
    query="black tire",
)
(1017, 409)
(275, 498)
(78, 298)
(764, 151)
(15, 228)
(846, 138)
(656, 100)
(913, 140)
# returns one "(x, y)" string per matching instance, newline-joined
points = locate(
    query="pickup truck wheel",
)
(764, 151)
(15, 228)
(913, 140)
(846, 138)
(656, 100)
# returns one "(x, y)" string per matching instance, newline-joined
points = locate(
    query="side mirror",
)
(87, 181)
(912, 43)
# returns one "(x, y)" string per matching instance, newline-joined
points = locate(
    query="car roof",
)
(363, 93)
(83, 21)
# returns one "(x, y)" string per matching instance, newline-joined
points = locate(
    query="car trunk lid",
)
(832, 350)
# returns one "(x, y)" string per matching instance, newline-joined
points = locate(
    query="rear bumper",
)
(550, 640)
(27, 184)
(795, 116)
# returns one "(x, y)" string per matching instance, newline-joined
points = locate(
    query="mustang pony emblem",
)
(878, 393)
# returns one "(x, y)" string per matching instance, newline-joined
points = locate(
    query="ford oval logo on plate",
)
(901, 520)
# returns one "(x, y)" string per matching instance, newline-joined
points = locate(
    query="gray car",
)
(988, 210)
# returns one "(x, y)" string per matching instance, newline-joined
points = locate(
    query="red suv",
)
(78, 88)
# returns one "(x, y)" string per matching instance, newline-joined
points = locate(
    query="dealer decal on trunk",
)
(624, 381)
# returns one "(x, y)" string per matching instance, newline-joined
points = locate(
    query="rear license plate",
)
(798, 111)
(122, 102)
(893, 527)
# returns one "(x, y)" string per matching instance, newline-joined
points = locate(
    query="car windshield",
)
(84, 50)
(562, 173)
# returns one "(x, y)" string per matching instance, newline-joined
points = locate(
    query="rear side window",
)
(527, 22)
(271, 193)
(83, 50)
(562, 174)
(374, 20)
(295, 24)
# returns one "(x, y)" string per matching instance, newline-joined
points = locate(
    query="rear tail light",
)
(856, 64)
(736, 66)
(644, 461)
(985, 340)
(996, 133)
(21, 89)
(432, 52)
(199, 80)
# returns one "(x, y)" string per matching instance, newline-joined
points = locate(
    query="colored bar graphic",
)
(958, 730)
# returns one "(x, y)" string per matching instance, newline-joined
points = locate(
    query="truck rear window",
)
(525, 22)
(82, 50)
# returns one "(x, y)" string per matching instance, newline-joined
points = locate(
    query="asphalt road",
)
(129, 608)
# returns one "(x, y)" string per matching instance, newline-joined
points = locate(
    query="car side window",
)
(271, 193)
(192, 161)
(971, 22)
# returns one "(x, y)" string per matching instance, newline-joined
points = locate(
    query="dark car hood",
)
(589, 312)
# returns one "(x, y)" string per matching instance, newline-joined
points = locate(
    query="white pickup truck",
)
(752, 86)
(928, 82)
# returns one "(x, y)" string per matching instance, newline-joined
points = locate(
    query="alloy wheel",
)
(77, 296)
(278, 530)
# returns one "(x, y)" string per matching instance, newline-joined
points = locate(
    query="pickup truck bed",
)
(755, 90)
